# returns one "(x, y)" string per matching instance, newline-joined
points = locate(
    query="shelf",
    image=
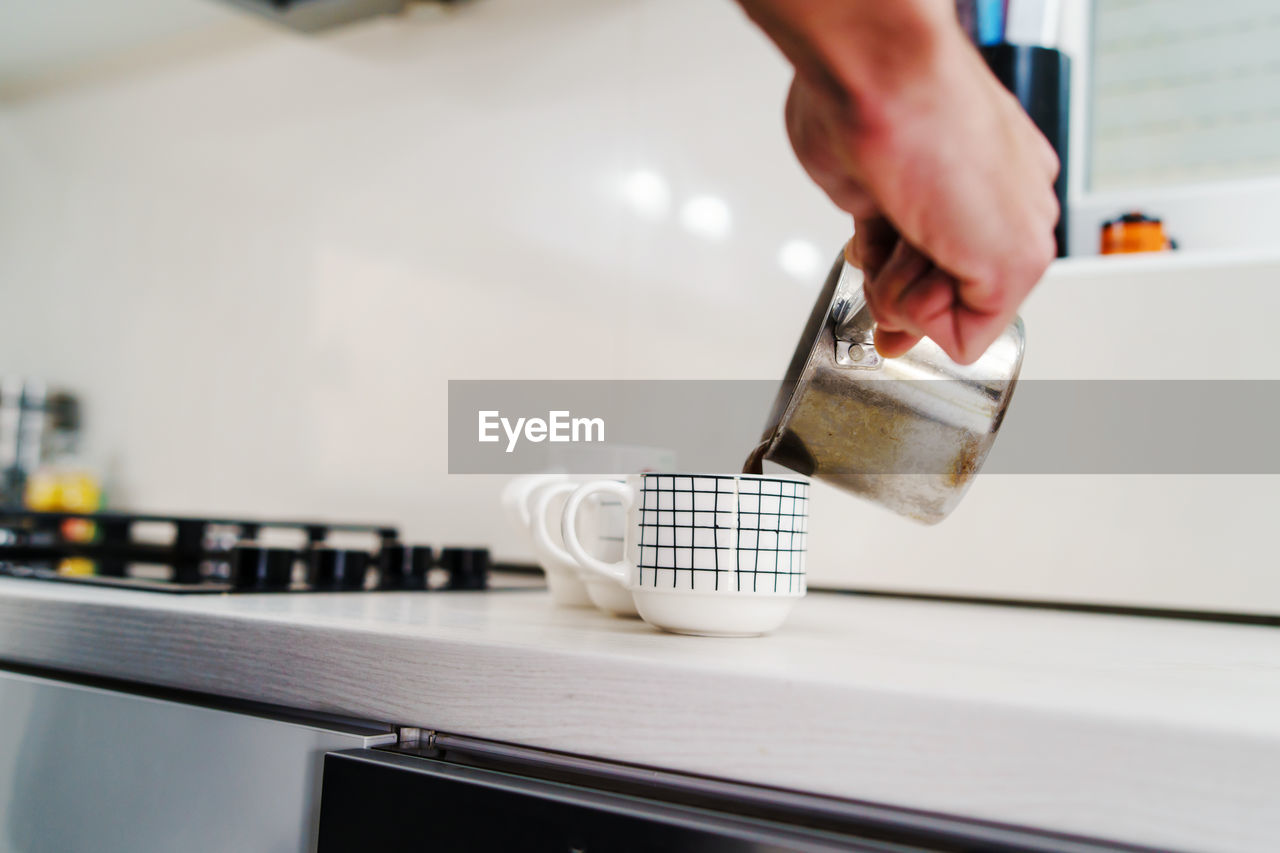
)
(1093, 266)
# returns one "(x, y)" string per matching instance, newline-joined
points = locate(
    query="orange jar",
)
(1134, 232)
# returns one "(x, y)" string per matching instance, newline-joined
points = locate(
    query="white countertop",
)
(1152, 731)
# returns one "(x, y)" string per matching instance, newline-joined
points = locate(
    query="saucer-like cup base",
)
(714, 614)
(567, 590)
(611, 597)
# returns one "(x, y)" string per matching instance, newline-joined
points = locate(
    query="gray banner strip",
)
(1051, 427)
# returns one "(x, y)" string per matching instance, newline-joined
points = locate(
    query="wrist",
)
(880, 66)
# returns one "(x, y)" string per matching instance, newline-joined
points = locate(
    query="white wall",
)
(262, 262)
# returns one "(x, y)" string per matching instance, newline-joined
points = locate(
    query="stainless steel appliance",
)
(93, 764)
(454, 793)
(110, 767)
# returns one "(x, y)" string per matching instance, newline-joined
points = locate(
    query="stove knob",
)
(337, 568)
(257, 568)
(468, 567)
(404, 566)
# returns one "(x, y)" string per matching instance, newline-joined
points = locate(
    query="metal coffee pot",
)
(909, 433)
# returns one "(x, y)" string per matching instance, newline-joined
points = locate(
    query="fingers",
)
(932, 309)
(1000, 289)
(885, 290)
(874, 239)
(973, 333)
(873, 244)
(908, 292)
(911, 298)
(894, 344)
(931, 304)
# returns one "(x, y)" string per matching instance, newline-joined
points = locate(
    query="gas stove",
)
(183, 554)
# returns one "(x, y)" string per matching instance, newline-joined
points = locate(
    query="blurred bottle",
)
(10, 418)
(22, 428)
(61, 480)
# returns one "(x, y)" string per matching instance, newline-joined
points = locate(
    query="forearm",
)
(866, 55)
(895, 115)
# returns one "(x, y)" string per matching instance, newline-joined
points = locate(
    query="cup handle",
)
(619, 571)
(538, 519)
(516, 493)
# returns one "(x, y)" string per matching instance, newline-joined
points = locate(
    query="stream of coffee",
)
(755, 461)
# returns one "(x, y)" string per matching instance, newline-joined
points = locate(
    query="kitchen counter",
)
(1152, 731)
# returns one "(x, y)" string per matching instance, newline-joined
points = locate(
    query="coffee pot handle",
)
(851, 325)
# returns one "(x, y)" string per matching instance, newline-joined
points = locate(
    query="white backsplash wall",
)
(260, 264)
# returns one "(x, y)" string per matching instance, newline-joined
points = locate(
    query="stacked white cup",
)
(534, 505)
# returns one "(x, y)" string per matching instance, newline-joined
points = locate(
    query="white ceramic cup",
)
(594, 525)
(563, 573)
(712, 554)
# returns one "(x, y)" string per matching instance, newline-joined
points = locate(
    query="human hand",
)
(950, 186)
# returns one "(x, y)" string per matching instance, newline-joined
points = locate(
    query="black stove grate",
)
(187, 554)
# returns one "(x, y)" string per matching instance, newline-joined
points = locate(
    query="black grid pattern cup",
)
(712, 554)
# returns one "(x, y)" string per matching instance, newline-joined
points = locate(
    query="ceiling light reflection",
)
(647, 194)
(706, 216)
(800, 258)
